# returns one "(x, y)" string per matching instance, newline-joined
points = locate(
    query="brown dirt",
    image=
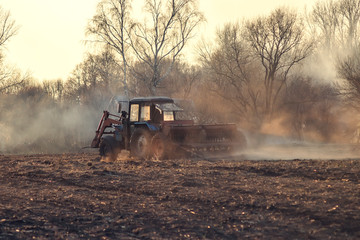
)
(77, 196)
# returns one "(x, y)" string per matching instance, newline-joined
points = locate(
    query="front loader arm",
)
(104, 123)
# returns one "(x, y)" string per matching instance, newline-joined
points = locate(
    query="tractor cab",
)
(154, 110)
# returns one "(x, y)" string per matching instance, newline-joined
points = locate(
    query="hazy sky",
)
(50, 40)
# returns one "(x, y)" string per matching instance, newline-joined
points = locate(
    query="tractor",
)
(154, 127)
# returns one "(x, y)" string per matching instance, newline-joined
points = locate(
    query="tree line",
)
(270, 73)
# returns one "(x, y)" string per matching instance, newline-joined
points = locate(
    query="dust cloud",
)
(29, 125)
(271, 147)
(45, 127)
(276, 140)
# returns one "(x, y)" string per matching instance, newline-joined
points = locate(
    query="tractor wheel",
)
(140, 143)
(158, 147)
(108, 148)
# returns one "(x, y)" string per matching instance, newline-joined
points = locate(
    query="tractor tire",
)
(158, 147)
(140, 143)
(108, 148)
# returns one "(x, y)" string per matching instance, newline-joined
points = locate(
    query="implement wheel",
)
(140, 143)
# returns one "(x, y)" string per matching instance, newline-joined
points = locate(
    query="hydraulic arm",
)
(104, 123)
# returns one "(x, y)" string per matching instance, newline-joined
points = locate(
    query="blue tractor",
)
(154, 127)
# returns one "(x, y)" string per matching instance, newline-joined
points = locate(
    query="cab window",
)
(145, 113)
(168, 116)
(134, 113)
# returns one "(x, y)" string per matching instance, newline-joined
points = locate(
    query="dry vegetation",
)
(76, 196)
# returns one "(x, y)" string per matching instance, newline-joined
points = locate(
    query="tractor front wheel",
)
(108, 148)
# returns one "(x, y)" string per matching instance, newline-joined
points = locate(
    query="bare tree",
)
(163, 36)
(94, 77)
(349, 69)
(166, 30)
(8, 28)
(349, 11)
(325, 17)
(279, 43)
(231, 73)
(10, 78)
(182, 81)
(54, 89)
(311, 109)
(338, 23)
(110, 26)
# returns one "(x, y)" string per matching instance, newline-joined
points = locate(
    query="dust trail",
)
(302, 151)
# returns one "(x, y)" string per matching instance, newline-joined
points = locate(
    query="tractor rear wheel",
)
(140, 143)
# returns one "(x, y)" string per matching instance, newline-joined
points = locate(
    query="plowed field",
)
(77, 196)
